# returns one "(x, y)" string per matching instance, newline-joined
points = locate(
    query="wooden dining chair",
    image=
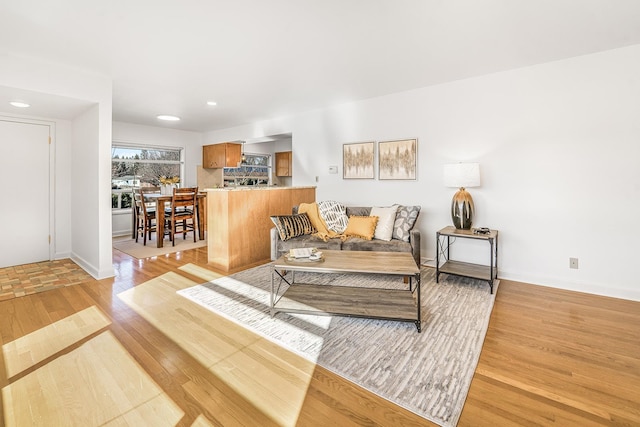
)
(182, 217)
(146, 213)
(135, 213)
(184, 190)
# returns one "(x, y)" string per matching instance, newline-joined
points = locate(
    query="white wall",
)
(559, 154)
(190, 142)
(84, 180)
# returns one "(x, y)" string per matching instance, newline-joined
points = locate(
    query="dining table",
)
(165, 200)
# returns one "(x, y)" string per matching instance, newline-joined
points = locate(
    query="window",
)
(133, 167)
(257, 160)
(254, 171)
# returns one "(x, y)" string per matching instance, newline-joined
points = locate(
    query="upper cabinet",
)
(226, 154)
(283, 163)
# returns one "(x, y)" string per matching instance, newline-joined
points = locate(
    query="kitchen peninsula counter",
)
(238, 230)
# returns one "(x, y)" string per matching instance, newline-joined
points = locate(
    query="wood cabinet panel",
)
(284, 162)
(233, 155)
(226, 154)
(239, 228)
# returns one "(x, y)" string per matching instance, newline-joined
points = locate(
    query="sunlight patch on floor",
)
(26, 351)
(201, 421)
(201, 272)
(224, 292)
(98, 383)
(271, 378)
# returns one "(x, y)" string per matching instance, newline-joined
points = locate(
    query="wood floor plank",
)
(551, 357)
(157, 411)
(572, 359)
(73, 390)
(26, 351)
(194, 328)
(496, 404)
(201, 421)
(225, 409)
(326, 398)
(201, 273)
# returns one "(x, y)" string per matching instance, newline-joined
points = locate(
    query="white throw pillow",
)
(386, 219)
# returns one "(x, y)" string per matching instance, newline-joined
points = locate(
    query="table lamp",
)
(462, 176)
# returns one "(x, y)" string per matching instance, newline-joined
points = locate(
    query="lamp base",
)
(462, 209)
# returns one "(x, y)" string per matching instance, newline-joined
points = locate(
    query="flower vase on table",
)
(166, 189)
(167, 184)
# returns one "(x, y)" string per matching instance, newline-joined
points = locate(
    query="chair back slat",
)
(149, 190)
(184, 199)
(183, 209)
(146, 212)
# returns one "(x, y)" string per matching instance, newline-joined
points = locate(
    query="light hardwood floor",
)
(133, 355)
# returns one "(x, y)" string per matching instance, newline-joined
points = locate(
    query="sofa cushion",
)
(358, 244)
(293, 225)
(361, 226)
(308, 241)
(386, 219)
(334, 215)
(358, 210)
(406, 217)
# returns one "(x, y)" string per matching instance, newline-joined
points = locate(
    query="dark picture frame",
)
(358, 160)
(397, 159)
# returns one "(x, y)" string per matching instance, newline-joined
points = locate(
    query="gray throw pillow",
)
(405, 220)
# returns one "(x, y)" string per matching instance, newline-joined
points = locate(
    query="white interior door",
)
(24, 173)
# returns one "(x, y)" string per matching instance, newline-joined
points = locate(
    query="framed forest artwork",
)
(358, 160)
(397, 159)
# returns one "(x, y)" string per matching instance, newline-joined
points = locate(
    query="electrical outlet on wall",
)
(573, 263)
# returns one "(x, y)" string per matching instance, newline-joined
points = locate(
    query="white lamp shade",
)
(462, 175)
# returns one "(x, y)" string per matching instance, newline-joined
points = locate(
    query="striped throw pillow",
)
(289, 226)
(334, 215)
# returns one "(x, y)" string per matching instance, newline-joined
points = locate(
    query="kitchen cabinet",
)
(225, 154)
(283, 163)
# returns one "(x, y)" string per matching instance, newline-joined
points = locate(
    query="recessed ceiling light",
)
(20, 104)
(212, 103)
(168, 118)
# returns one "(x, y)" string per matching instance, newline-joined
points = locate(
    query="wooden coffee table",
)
(344, 300)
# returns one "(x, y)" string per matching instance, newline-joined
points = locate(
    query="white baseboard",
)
(586, 287)
(94, 272)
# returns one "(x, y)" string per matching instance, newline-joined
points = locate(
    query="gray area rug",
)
(428, 373)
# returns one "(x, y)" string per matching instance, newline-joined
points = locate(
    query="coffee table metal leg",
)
(419, 314)
(271, 296)
(274, 290)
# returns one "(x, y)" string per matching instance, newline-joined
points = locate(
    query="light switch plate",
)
(333, 169)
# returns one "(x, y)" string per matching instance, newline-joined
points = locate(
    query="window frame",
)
(118, 192)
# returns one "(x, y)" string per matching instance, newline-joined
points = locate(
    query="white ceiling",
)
(263, 59)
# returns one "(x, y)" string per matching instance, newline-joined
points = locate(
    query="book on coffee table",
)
(301, 252)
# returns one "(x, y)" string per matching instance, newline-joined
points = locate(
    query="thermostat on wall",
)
(333, 169)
